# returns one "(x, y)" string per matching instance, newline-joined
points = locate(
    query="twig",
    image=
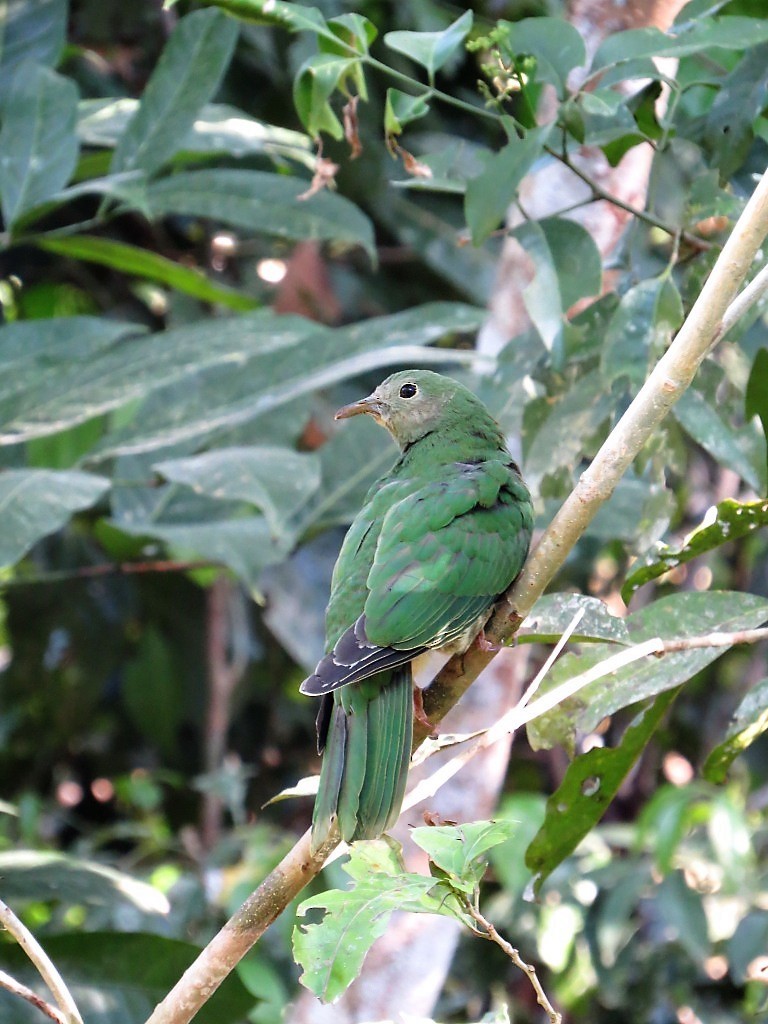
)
(664, 386)
(69, 1011)
(488, 931)
(521, 715)
(88, 572)
(743, 302)
(11, 985)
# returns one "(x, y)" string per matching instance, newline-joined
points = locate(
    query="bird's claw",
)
(420, 714)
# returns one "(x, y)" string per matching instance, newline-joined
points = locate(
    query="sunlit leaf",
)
(748, 722)
(728, 521)
(431, 49)
(459, 850)
(553, 613)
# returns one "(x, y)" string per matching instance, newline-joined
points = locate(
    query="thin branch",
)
(69, 1011)
(11, 985)
(521, 715)
(743, 302)
(488, 931)
(88, 572)
(664, 386)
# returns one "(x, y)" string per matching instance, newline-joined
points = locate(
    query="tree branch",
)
(665, 385)
(69, 1011)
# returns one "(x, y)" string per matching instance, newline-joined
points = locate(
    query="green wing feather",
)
(444, 553)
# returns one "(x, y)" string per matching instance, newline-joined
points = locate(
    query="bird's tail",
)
(367, 752)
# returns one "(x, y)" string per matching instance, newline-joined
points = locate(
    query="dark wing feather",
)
(354, 658)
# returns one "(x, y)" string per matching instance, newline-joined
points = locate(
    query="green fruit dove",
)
(439, 538)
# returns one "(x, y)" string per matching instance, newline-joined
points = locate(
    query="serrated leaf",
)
(590, 783)
(117, 978)
(331, 953)
(553, 613)
(187, 74)
(748, 722)
(489, 194)
(728, 521)
(36, 502)
(131, 259)
(259, 201)
(676, 616)
(431, 49)
(35, 875)
(459, 850)
(38, 145)
(557, 46)
(278, 481)
(31, 32)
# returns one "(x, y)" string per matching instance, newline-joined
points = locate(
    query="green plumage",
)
(437, 540)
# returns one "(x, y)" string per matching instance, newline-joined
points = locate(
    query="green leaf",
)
(566, 267)
(554, 42)
(729, 33)
(553, 613)
(401, 109)
(37, 875)
(728, 521)
(31, 32)
(526, 811)
(582, 798)
(36, 502)
(681, 915)
(678, 615)
(749, 941)
(640, 330)
(352, 30)
(756, 398)
(262, 202)
(278, 481)
(317, 79)
(186, 76)
(748, 722)
(218, 128)
(331, 953)
(490, 193)
(294, 17)
(571, 421)
(38, 145)
(700, 413)
(117, 978)
(143, 263)
(738, 102)
(259, 363)
(431, 49)
(459, 850)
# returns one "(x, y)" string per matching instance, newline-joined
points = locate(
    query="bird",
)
(438, 539)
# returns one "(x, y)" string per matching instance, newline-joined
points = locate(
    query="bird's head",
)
(413, 403)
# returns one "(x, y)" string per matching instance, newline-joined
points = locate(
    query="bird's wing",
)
(445, 553)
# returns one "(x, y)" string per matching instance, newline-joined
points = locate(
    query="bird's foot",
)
(484, 644)
(419, 713)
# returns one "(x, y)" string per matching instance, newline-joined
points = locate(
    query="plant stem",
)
(11, 985)
(69, 1011)
(488, 931)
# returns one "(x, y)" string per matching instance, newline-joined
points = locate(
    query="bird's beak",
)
(371, 405)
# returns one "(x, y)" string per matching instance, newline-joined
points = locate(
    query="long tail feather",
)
(365, 764)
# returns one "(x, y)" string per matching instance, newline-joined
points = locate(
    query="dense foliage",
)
(185, 302)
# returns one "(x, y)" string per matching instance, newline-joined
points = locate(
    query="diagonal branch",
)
(666, 384)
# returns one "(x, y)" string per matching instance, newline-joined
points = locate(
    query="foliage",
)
(166, 412)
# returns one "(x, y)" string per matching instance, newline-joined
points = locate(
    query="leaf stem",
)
(69, 1011)
(488, 931)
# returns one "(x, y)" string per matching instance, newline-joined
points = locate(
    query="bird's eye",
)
(408, 391)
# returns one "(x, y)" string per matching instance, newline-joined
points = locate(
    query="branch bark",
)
(666, 384)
